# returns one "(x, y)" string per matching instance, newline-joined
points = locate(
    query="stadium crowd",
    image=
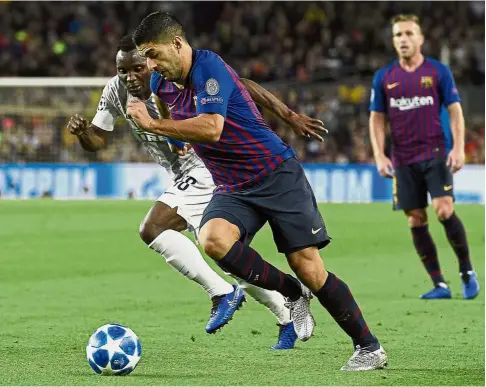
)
(287, 45)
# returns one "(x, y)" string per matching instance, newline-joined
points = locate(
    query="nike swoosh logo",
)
(170, 107)
(447, 187)
(316, 231)
(392, 85)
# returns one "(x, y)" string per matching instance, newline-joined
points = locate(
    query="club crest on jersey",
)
(426, 82)
(212, 86)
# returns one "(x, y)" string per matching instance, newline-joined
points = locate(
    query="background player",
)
(414, 93)
(258, 180)
(182, 205)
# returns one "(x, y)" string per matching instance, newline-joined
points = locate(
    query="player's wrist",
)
(458, 147)
(83, 133)
(151, 123)
(290, 115)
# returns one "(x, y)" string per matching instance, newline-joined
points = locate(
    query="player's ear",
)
(177, 42)
(421, 38)
(421, 35)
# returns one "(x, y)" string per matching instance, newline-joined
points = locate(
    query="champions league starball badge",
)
(212, 86)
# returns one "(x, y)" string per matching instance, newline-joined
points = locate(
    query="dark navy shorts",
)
(284, 199)
(412, 183)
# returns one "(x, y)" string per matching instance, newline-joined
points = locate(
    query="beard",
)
(174, 76)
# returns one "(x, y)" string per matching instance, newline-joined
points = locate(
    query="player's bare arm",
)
(90, 136)
(301, 124)
(377, 137)
(457, 156)
(205, 128)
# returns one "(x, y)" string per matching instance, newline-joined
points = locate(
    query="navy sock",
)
(244, 262)
(336, 297)
(425, 247)
(457, 238)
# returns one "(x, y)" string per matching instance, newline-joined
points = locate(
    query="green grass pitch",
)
(68, 267)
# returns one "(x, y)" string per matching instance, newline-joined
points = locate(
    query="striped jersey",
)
(248, 148)
(113, 104)
(415, 104)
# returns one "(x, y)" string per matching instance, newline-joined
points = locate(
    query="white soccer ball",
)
(113, 349)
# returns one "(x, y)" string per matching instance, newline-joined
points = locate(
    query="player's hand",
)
(77, 125)
(180, 151)
(456, 159)
(303, 125)
(137, 111)
(385, 166)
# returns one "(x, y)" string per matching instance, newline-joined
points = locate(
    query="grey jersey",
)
(113, 104)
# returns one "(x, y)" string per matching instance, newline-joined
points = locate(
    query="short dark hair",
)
(126, 44)
(158, 27)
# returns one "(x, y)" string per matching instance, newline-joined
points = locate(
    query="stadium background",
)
(318, 57)
(68, 267)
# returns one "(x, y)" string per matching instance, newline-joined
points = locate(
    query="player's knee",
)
(443, 207)
(160, 218)
(148, 231)
(217, 238)
(416, 218)
(215, 246)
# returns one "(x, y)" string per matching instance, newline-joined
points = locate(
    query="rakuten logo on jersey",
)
(411, 103)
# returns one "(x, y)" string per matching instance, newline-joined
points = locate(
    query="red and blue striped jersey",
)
(248, 148)
(415, 104)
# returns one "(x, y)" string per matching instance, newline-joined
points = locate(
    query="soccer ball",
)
(113, 350)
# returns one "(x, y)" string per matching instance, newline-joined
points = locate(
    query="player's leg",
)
(410, 196)
(440, 185)
(336, 297)
(180, 207)
(226, 225)
(276, 304)
(192, 199)
(221, 241)
(299, 231)
(160, 230)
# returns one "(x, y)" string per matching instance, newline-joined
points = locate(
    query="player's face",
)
(164, 58)
(133, 73)
(407, 39)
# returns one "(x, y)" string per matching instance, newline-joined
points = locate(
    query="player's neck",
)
(413, 63)
(186, 64)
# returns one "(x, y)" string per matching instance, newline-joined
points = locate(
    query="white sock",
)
(272, 299)
(183, 255)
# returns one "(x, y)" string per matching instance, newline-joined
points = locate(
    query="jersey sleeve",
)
(214, 85)
(447, 87)
(155, 81)
(377, 97)
(176, 143)
(106, 113)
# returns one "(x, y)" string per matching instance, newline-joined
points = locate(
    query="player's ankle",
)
(369, 341)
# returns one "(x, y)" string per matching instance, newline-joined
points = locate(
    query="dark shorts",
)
(412, 182)
(284, 199)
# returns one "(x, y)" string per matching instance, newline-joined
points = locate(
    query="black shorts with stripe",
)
(412, 183)
(284, 199)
